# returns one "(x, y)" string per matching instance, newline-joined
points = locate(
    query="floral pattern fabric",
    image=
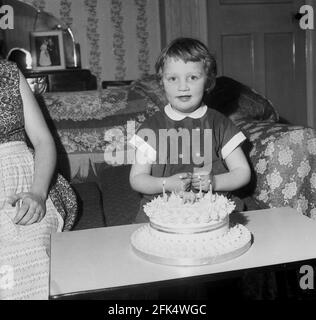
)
(93, 37)
(142, 37)
(284, 160)
(118, 39)
(11, 111)
(84, 105)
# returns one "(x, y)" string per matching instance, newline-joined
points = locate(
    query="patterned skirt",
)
(24, 259)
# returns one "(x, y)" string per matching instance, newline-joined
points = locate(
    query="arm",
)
(33, 208)
(238, 175)
(42, 141)
(141, 180)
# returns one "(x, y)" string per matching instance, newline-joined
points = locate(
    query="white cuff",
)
(148, 153)
(232, 144)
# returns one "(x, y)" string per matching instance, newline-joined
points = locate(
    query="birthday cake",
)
(190, 229)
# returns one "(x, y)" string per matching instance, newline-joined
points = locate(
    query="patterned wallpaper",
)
(119, 39)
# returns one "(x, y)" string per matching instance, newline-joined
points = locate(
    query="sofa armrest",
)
(283, 158)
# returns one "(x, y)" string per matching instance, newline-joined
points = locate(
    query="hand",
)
(205, 180)
(32, 209)
(188, 197)
(179, 182)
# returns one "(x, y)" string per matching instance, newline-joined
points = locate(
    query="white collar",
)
(178, 116)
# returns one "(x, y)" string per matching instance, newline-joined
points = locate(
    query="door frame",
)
(310, 74)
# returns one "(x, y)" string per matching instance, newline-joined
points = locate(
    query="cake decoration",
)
(187, 208)
(190, 229)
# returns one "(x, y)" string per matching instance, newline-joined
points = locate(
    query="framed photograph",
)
(47, 48)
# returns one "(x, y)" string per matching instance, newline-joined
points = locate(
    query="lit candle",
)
(211, 181)
(200, 192)
(163, 190)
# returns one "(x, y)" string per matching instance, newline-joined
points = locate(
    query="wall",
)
(119, 39)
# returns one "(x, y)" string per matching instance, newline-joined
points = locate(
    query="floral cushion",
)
(230, 97)
(284, 160)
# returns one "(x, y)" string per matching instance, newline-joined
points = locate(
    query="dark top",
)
(11, 106)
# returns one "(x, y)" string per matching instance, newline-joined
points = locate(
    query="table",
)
(62, 80)
(103, 259)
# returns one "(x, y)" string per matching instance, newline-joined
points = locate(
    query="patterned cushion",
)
(230, 97)
(284, 162)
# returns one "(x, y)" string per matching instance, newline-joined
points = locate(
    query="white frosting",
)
(190, 233)
(173, 212)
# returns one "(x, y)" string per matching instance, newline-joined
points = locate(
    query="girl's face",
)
(184, 84)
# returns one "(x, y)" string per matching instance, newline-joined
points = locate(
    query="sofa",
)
(87, 125)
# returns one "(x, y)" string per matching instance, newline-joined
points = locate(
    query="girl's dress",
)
(170, 159)
(24, 250)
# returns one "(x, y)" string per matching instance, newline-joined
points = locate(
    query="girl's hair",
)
(188, 49)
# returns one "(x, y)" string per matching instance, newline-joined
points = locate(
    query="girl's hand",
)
(178, 182)
(31, 210)
(188, 197)
(204, 180)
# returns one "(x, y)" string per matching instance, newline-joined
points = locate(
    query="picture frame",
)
(47, 50)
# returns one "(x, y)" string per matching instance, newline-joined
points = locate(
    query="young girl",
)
(187, 69)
